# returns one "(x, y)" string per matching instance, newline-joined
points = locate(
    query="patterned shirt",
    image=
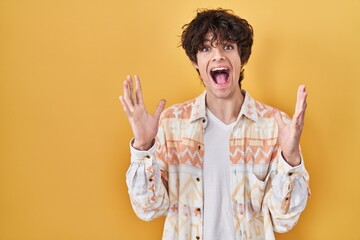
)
(267, 194)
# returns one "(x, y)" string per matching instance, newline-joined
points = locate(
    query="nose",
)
(218, 54)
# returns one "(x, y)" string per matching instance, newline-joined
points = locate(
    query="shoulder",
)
(265, 111)
(180, 110)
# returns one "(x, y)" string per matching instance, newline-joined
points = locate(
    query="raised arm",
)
(147, 188)
(289, 191)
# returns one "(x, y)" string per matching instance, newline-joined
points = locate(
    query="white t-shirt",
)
(218, 218)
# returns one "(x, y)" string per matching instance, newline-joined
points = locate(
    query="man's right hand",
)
(143, 124)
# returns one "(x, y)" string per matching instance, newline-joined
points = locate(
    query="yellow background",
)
(64, 138)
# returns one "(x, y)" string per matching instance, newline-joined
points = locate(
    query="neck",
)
(227, 110)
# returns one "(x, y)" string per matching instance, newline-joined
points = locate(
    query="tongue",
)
(221, 78)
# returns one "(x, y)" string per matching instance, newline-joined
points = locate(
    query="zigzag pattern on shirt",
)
(187, 155)
(170, 152)
(192, 156)
(179, 153)
(251, 154)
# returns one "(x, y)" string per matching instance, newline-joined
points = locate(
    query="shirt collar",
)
(198, 108)
(248, 108)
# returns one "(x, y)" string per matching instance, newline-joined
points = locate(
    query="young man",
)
(221, 166)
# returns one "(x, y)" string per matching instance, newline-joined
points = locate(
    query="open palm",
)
(289, 134)
(143, 124)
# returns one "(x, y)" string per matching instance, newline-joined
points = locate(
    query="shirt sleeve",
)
(147, 190)
(288, 194)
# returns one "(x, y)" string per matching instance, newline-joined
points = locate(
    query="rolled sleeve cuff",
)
(291, 185)
(285, 168)
(139, 155)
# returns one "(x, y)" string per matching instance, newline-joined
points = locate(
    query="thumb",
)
(160, 107)
(278, 118)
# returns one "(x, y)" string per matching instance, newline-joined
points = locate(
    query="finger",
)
(126, 97)
(301, 98)
(129, 92)
(160, 108)
(301, 105)
(278, 118)
(305, 94)
(131, 89)
(125, 106)
(138, 91)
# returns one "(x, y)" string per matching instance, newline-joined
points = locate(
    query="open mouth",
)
(220, 75)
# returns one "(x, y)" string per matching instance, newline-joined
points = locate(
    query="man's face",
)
(219, 65)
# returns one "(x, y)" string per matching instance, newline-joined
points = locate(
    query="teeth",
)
(219, 69)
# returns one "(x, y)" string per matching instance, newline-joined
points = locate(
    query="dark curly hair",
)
(224, 26)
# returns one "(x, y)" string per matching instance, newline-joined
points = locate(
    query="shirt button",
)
(290, 173)
(198, 179)
(199, 147)
(197, 237)
(147, 156)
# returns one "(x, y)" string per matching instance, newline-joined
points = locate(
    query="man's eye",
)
(229, 47)
(205, 49)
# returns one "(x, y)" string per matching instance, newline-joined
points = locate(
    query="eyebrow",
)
(208, 42)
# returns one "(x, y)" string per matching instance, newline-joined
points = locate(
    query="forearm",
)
(288, 194)
(148, 194)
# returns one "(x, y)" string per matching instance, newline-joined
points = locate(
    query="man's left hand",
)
(289, 134)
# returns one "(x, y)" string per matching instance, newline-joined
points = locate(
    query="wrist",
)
(142, 146)
(293, 159)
